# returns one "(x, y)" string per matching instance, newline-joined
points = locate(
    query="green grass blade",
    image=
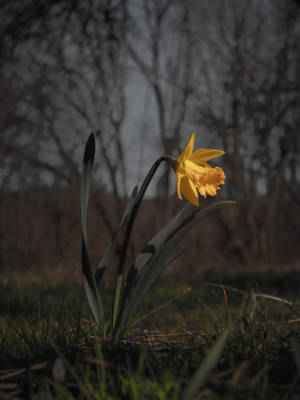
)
(90, 286)
(207, 365)
(157, 263)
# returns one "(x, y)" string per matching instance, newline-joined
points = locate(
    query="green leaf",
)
(90, 286)
(88, 283)
(158, 261)
(104, 262)
(145, 256)
(92, 301)
(134, 212)
(86, 180)
(207, 365)
(131, 220)
(118, 286)
(194, 218)
(151, 248)
(106, 258)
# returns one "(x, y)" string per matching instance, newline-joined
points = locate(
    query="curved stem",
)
(135, 210)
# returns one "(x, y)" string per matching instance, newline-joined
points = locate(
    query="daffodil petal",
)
(190, 146)
(187, 151)
(191, 167)
(204, 155)
(189, 191)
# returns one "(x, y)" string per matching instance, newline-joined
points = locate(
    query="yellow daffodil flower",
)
(194, 174)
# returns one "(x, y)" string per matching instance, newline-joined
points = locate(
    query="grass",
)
(50, 350)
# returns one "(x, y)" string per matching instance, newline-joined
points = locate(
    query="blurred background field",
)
(174, 303)
(143, 75)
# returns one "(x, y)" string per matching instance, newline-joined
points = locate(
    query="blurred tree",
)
(249, 96)
(159, 43)
(62, 67)
(63, 74)
(230, 70)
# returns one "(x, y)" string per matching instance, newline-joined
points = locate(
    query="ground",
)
(50, 349)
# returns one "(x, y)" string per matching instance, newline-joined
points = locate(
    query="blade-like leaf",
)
(109, 250)
(86, 180)
(207, 365)
(178, 254)
(88, 282)
(197, 215)
(118, 286)
(157, 263)
(106, 258)
(90, 287)
(131, 220)
(92, 301)
(134, 211)
(150, 249)
(145, 256)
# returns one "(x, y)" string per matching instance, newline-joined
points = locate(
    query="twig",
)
(266, 296)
